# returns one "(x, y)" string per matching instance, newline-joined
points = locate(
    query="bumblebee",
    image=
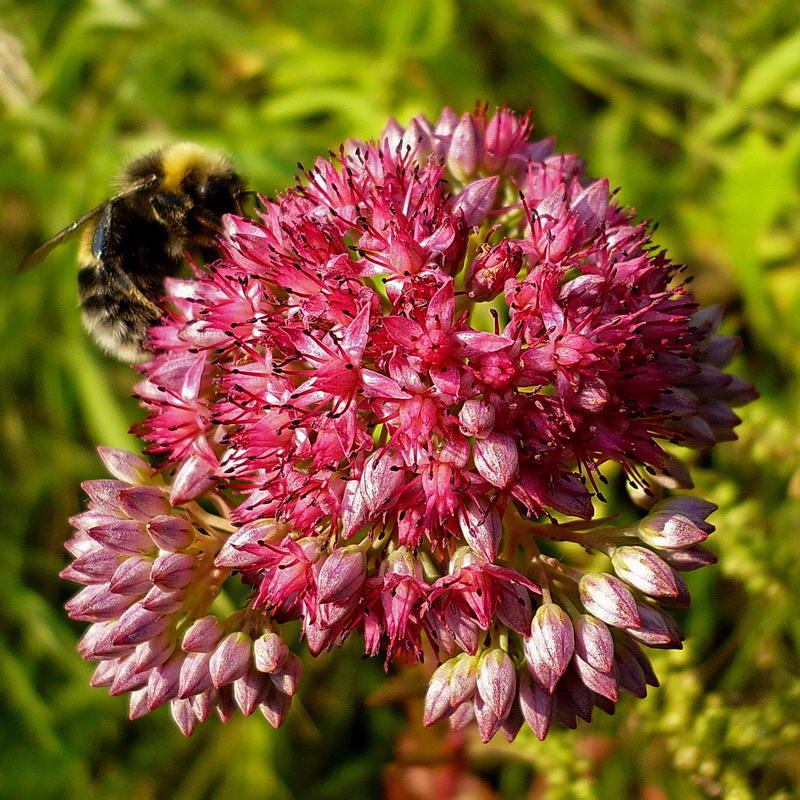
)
(170, 202)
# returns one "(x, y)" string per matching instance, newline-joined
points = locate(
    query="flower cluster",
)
(399, 386)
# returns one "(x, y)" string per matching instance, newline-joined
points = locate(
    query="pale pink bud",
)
(170, 533)
(591, 205)
(656, 629)
(132, 577)
(96, 603)
(122, 536)
(226, 703)
(275, 707)
(438, 695)
(183, 715)
(481, 527)
(203, 635)
(593, 642)
(104, 492)
(154, 652)
(232, 555)
(269, 652)
(549, 647)
(462, 716)
(689, 558)
(671, 531)
(512, 723)
(446, 124)
(127, 679)
(138, 624)
(173, 570)
(607, 598)
(96, 642)
(354, 513)
(604, 683)
(341, 575)
(142, 503)
(193, 477)
(476, 418)
(497, 681)
(195, 674)
(97, 565)
(163, 601)
(382, 478)
(476, 200)
(645, 571)
(125, 466)
(630, 674)
(466, 149)
(463, 679)
(203, 704)
(514, 609)
(104, 674)
(497, 459)
(537, 706)
(137, 704)
(680, 600)
(488, 722)
(250, 690)
(231, 658)
(162, 684)
(287, 679)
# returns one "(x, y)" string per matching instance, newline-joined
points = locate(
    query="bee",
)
(170, 202)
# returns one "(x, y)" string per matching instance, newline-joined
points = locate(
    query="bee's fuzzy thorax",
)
(182, 158)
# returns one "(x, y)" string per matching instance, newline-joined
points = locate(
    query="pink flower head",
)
(398, 375)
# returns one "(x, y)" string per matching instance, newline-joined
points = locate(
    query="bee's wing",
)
(39, 254)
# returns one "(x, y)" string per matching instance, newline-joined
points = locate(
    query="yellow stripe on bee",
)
(184, 157)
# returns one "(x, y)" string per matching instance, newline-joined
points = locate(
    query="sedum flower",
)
(392, 383)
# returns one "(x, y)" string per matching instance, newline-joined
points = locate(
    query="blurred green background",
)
(693, 108)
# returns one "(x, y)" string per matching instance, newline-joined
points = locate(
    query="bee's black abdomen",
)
(117, 321)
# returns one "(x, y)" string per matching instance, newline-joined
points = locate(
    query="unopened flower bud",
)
(230, 659)
(497, 459)
(142, 503)
(269, 652)
(497, 681)
(537, 706)
(645, 571)
(687, 559)
(465, 151)
(203, 635)
(438, 695)
(96, 603)
(341, 575)
(607, 598)
(476, 200)
(287, 679)
(549, 647)
(132, 577)
(382, 478)
(170, 532)
(173, 570)
(593, 642)
(275, 707)
(250, 690)
(463, 679)
(669, 531)
(476, 418)
(125, 466)
(482, 528)
(656, 629)
(193, 477)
